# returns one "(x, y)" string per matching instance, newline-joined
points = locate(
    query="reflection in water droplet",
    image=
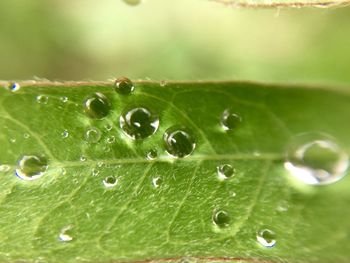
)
(66, 234)
(316, 159)
(225, 171)
(266, 238)
(229, 120)
(179, 141)
(152, 154)
(42, 99)
(110, 181)
(14, 87)
(65, 134)
(92, 135)
(124, 86)
(139, 123)
(221, 218)
(4, 168)
(133, 2)
(156, 182)
(97, 106)
(110, 139)
(31, 167)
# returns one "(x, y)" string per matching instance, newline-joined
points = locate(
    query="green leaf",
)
(165, 208)
(283, 3)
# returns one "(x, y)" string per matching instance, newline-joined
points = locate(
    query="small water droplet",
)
(138, 123)
(111, 139)
(230, 120)
(26, 136)
(152, 154)
(65, 134)
(92, 135)
(157, 181)
(108, 127)
(95, 172)
(63, 171)
(163, 83)
(42, 99)
(110, 181)
(316, 159)
(66, 234)
(225, 171)
(179, 141)
(133, 2)
(14, 86)
(221, 218)
(64, 99)
(97, 106)
(100, 164)
(124, 86)
(31, 167)
(12, 140)
(266, 238)
(82, 158)
(4, 168)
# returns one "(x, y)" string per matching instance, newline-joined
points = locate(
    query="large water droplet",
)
(97, 106)
(110, 181)
(92, 135)
(221, 218)
(266, 238)
(225, 171)
(124, 86)
(316, 159)
(139, 123)
(66, 234)
(31, 167)
(133, 2)
(14, 86)
(230, 120)
(179, 141)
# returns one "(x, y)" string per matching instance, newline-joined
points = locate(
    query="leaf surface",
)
(141, 219)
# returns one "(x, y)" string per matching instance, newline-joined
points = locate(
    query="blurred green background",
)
(170, 40)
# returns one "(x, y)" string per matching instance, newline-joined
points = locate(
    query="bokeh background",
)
(172, 40)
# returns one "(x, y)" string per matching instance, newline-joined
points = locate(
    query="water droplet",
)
(65, 134)
(139, 123)
(12, 140)
(63, 171)
(31, 167)
(163, 83)
(108, 127)
(100, 164)
(4, 168)
(152, 154)
(221, 218)
(95, 172)
(64, 99)
(124, 86)
(316, 159)
(42, 99)
(156, 182)
(110, 181)
(92, 135)
(110, 139)
(179, 141)
(225, 171)
(14, 87)
(230, 120)
(26, 136)
(97, 106)
(133, 2)
(266, 238)
(66, 234)
(82, 158)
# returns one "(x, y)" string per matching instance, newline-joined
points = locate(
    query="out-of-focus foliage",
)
(166, 39)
